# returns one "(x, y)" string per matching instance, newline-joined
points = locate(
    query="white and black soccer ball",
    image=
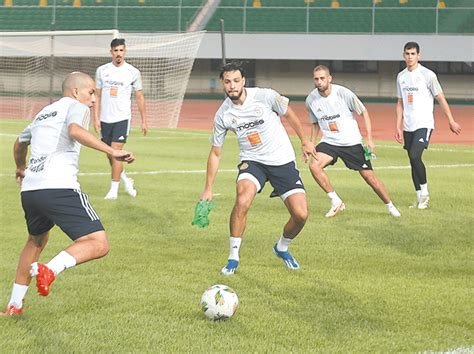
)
(219, 302)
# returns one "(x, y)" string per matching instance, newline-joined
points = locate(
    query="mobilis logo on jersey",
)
(46, 116)
(250, 124)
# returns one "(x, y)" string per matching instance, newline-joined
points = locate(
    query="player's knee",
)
(101, 245)
(300, 216)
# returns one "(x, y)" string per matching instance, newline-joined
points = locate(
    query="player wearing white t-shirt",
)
(115, 82)
(330, 108)
(266, 154)
(50, 192)
(416, 87)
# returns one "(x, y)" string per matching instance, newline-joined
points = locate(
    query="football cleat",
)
(230, 267)
(111, 195)
(394, 212)
(287, 258)
(128, 185)
(44, 277)
(335, 209)
(423, 203)
(12, 311)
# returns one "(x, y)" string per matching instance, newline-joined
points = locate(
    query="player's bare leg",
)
(298, 208)
(380, 189)
(245, 194)
(316, 166)
(89, 247)
(85, 248)
(30, 254)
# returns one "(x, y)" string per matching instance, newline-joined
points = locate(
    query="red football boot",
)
(12, 310)
(44, 278)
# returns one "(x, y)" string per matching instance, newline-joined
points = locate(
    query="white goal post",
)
(33, 65)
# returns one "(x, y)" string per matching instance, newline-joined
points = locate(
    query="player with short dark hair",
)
(113, 109)
(266, 154)
(331, 110)
(50, 192)
(416, 87)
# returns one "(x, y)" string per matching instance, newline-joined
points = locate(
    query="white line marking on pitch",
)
(161, 172)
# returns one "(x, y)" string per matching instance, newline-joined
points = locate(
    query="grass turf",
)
(368, 283)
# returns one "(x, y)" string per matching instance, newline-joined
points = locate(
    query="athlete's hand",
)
(206, 195)
(122, 155)
(399, 136)
(371, 145)
(97, 127)
(308, 150)
(455, 127)
(19, 175)
(144, 128)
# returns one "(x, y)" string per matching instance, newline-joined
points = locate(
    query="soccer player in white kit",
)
(113, 109)
(50, 192)
(266, 154)
(330, 109)
(416, 87)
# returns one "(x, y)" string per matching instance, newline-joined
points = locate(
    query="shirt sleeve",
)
(399, 90)
(278, 102)
(98, 78)
(352, 101)
(219, 132)
(137, 83)
(25, 136)
(313, 119)
(434, 86)
(78, 113)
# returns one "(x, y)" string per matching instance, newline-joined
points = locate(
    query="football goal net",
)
(33, 65)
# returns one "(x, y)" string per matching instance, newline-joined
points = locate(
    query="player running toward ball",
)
(266, 154)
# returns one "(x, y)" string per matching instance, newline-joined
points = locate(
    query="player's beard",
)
(235, 97)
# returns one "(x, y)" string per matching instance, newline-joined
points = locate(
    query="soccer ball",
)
(219, 302)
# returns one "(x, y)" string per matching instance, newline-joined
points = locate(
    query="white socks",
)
(389, 205)
(124, 177)
(283, 243)
(18, 294)
(424, 189)
(234, 247)
(114, 185)
(335, 200)
(61, 262)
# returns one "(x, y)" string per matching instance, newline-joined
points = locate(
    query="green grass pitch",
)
(368, 283)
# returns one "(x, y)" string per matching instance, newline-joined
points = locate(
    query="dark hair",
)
(232, 66)
(411, 45)
(116, 42)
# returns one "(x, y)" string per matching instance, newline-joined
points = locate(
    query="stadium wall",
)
(285, 61)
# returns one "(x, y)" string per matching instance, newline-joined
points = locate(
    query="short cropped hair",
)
(411, 45)
(322, 67)
(232, 66)
(116, 42)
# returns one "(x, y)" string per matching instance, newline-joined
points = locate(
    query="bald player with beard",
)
(50, 192)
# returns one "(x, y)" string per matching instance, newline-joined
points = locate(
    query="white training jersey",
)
(335, 116)
(417, 88)
(260, 133)
(54, 155)
(116, 84)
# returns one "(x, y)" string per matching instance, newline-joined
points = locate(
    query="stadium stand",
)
(278, 16)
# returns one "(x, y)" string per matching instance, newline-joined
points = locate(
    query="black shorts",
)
(420, 137)
(285, 179)
(115, 132)
(353, 156)
(69, 209)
